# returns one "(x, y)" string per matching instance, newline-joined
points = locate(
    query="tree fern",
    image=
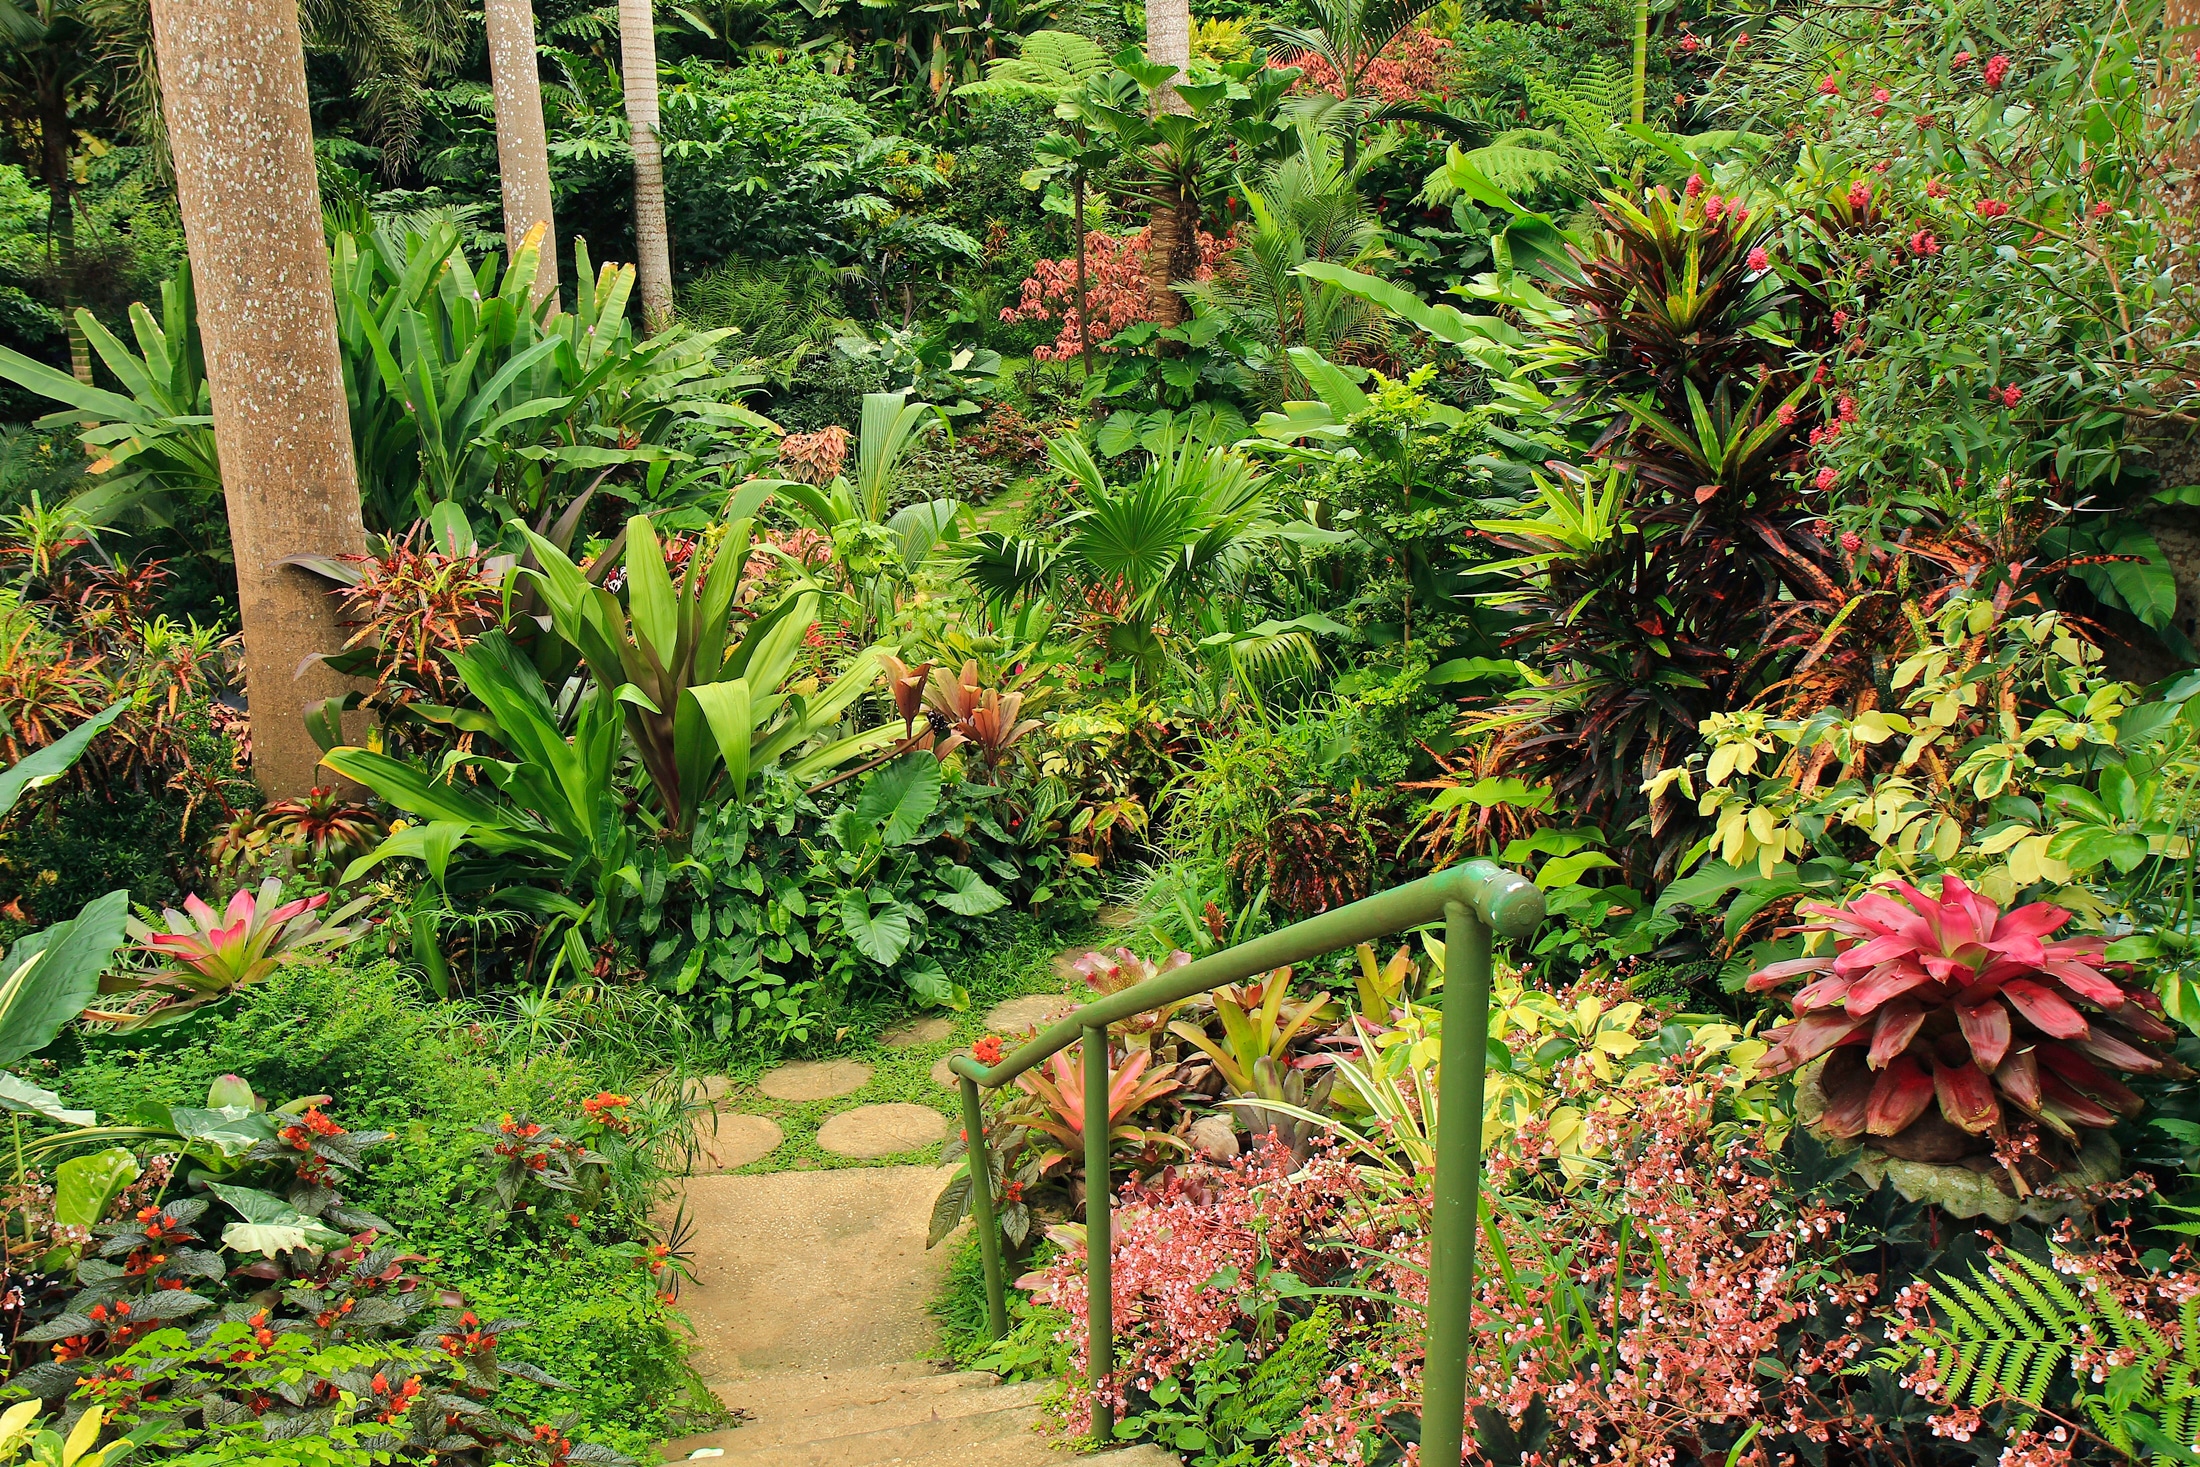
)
(2010, 1329)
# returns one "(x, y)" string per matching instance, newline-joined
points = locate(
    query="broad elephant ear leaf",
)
(50, 763)
(898, 799)
(21, 1096)
(50, 976)
(84, 1186)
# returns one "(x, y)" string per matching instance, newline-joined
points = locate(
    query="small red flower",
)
(1713, 207)
(1758, 260)
(1829, 86)
(2011, 395)
(1991, 208)
(1845, 410)
(1923, 244)
(1694, 186)
(1851, 541)
(2103, 209)
(1787, 414)
(1860, 194)
(1934, 188)
(1960, 60)
(1827, 478)
(1690, 45)
(1997, 67)
(987, 1051)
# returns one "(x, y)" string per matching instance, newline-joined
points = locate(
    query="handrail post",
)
(1099, 1199)
(1458, 1186)
(981, 1210)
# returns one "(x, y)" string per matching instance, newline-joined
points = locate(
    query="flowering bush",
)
(1418, 64)
(1116, 292)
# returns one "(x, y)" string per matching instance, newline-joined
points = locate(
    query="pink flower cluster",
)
(1418, 64)
(1116, 294)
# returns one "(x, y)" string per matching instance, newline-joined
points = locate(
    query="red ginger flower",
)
(1955, 1000)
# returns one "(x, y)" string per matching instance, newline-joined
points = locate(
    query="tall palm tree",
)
(50, 83)
(652, 241)
(233, 86)
(523, 150)
(1306, 208)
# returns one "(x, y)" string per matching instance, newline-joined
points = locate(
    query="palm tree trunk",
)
(59, 181)
(1084, 323)
(1165, 236)
(233, 90)
(1169, 43)
(1642, 60)
(523, 151)
(652, 243)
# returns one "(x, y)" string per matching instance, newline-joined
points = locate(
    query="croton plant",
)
(1957, 1002)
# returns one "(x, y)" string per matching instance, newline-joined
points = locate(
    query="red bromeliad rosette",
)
(1958, 1001)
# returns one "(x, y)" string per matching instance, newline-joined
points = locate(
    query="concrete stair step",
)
(898, 1410)
(958, 1437)
(777, 1392)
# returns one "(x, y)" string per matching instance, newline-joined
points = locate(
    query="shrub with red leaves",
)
(1957, 1002)
(1116, 293)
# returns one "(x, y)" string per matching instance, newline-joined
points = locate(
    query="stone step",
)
(773, 1393)
(956, 1436)
(813, 1422)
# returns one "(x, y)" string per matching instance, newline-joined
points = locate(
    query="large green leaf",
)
(48, 764)
(270, 1225)
(21, 1096)
(968, 894)
(85, 1186)
(51, 975)
(897, 800)
(882, 935)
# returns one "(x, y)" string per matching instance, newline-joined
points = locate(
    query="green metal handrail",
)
(1473, 900)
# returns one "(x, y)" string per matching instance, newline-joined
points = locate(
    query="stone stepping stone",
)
(881, 1130)
(1033, 1010)
(705, 1089)
(945, 1077)
(733, 1142)
(815, 1079)
(912, 1032)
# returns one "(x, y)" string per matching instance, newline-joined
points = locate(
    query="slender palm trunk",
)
(1169, 43)
(523, 150)
(1084, 324)
(1642, 60)
(59, 181)
(1168, 229)
(652, 242)
(233, 90)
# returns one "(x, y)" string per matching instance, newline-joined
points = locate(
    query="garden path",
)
(811, 1282)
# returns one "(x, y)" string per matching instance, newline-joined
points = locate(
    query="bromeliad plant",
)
(206, 956)
(1946, 1023)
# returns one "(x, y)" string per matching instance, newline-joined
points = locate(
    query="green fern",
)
(2009, 1332)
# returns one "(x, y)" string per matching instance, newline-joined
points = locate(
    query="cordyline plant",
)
(1957, 1002)
(206, 956)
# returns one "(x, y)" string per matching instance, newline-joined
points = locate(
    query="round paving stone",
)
(942, 1075)
(734, 1142)
(815, 1079)
(705, 1089)
(1033, 1010)
(913, 1032)
(881, 1130)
